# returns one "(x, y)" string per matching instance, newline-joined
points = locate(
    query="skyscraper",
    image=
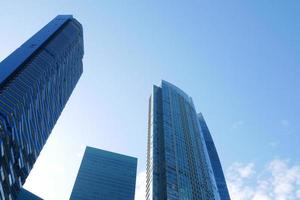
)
(105, 175)
(178, 162)
(36, 81)
(214, 160)
(26, 195)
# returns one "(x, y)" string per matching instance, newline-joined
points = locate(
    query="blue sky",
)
(238, 60)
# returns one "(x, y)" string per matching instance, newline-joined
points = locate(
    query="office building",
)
(214, 159)
(36, 81)
(105, 175)
(26, 195)
(178, 162)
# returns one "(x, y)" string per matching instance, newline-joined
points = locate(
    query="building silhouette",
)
(105, 175)
(179, 165)
(36, 81)
(26, 195)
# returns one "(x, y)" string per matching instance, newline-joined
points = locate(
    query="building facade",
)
(105, 175)
(178, 162)
(26, 195)
(36, 82)
(214, 160)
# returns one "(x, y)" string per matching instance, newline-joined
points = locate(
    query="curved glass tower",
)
(36, 82)
(178, 162)
(214, 160)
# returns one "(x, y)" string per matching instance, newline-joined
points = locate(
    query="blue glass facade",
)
(35, 83)
(178, 163)
(105, 175)
(26, 195)
(214, 159)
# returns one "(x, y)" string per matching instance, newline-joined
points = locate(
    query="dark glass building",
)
(178, 162)
(105, 175)
(214, 160)
(26, 195)
(36, 81)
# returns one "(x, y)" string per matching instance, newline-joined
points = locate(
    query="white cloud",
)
(260, 196)
(237, 174)
(278, 180)
(246, 171)
(140, 189)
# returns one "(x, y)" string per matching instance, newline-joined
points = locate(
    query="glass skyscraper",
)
(179, 165)
(105, 175)
(26, 195)
(214, 160)
(36, 81)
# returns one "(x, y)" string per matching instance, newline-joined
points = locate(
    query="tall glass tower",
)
(178, 161)
(36, 81)
(214, 159)
(105, 175)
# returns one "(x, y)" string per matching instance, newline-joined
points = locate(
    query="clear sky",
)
(238, 60)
